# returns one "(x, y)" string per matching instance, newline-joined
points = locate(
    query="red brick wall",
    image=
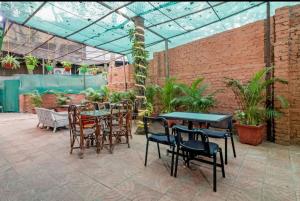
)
(287, 62)
(49, 101)
(116, 78)
(236, 53)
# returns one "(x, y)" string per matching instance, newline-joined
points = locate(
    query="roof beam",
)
(163, 23)
(63, 37)
(129, 18)
(154, 43)
(8, 28)
(167, 16)
(32, 14)
(112, 11)
(40, 45)
(216, 13)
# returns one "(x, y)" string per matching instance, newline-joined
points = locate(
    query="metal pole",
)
(124, 73)
(167, 59)
(84, 85)
(270, 130)
(43, 66)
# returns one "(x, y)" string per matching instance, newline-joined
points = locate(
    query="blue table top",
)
(203, 117)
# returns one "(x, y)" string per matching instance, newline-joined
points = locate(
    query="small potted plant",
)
(49, 66)
(253, 112)
(36, 100)
(31, 62)
(10, 62)
(67, 66)
(83, 68)
(62, 100)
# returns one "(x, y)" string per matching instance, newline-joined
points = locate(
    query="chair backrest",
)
(88, 106)
(194, 135)
(156, 126)
(74, 118)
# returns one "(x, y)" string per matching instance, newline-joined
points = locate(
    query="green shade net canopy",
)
(105, 25)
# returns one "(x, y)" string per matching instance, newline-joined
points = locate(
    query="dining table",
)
(98, 116)
(192, 117)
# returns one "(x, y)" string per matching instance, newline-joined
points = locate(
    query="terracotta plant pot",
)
(8, 66)
(252, 135)
(67, 68)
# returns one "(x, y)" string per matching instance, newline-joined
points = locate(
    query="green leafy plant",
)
(168, 93)
(92, 94)
(49, 65)
(128, 95)
(36, 99)
(105, 93)
(10, 62)
(62, 99)
(192, 97)
(115, 97)
(83, 68)
(151, 92)
(251, 97)
(31, 62)
(67, 65)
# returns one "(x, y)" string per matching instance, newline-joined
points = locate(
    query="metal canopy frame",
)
(127, 10)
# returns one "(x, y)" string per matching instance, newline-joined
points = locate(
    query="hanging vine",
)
(140, 63)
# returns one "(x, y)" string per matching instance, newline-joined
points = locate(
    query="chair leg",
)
(158, 149)
(172, 162)
(222, 162)
(54, 129)
(226, 150)
(146, 154)
(38, 125)
(72, 145)
(176, 162)
(233, 147)
(215, 173)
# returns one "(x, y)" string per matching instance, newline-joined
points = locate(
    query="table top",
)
(203, 117)
(96, 113)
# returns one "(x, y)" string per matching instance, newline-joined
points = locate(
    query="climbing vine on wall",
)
(140, 63)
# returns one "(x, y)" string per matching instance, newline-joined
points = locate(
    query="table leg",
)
(97, 135)
(190, 127)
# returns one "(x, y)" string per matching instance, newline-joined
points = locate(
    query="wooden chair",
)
(76, 128)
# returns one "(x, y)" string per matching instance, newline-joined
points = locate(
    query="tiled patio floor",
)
(35, 164)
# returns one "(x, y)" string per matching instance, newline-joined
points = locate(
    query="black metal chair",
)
(199, 145)
(221, 130)
(157, 130)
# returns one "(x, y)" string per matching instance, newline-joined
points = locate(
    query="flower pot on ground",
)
(252, 135)
(253, 113)
(10, 62)
(31, 63)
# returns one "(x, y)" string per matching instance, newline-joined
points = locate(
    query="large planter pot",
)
(252, 135)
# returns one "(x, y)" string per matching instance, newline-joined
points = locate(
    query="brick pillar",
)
(281, 58)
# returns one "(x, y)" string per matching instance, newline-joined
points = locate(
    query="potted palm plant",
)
(83, 68)
(36, 100)
(105, 93)
(10, 62)
(31, 62)
(67, 65)
(253, 112)
(152, 94)
(192, 97)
